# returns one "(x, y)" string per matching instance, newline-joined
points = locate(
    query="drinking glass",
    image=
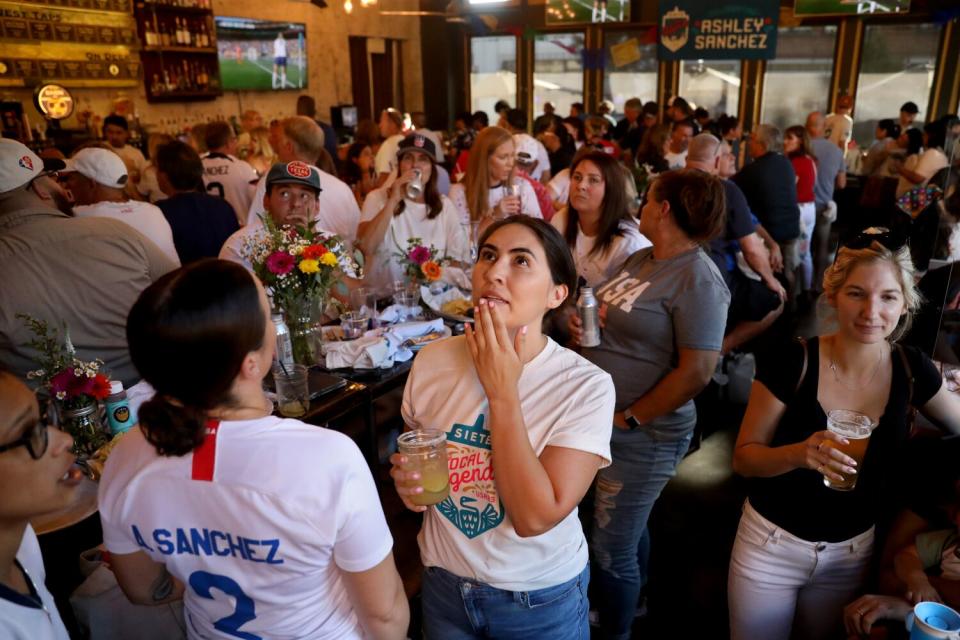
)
(293, 394)
(353, 325)
(363, 301)
(855, 427)
(426, 453)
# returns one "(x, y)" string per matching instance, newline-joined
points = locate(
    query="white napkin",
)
(394, 312)
(381, 348)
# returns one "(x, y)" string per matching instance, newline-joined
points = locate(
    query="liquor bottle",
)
(204, 38)
(147, 35)
(165, 36)
(179, 32)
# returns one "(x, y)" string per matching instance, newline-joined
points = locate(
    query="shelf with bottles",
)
(172, 79)
(179, 5)
(177, 50)
(167, 32)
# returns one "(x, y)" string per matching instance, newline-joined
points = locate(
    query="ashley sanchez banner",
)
(694, 29)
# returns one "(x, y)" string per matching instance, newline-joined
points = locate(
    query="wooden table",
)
(83, 505)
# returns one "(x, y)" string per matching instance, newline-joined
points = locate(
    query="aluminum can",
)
(589, 312)
(284, 353)
(415, 186)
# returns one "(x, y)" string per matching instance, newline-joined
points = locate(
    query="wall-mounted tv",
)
(849, 7)
(261, 54)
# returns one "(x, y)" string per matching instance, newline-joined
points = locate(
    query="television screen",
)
(261, 54)
(848, 7)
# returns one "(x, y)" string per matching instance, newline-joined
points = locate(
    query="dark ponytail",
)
(188, 335)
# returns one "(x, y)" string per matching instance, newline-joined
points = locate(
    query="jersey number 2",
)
(215, 189)
(202, 583)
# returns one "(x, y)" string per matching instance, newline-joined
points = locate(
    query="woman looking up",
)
(390, 217)
(528, 425)
(267, 527)
(803, 548)
(597, 224)
(483, 195)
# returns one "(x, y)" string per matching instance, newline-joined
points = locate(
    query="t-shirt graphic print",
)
(473, 505)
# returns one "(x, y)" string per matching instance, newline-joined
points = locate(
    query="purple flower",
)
(280, 262)
(418, 255)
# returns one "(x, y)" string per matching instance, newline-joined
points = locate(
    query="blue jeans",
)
(456, 608)
(643, 462)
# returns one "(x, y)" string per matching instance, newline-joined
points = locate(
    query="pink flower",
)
(280, 263)
(418, 255)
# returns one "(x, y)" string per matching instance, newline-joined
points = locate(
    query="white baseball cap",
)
(100, 165)
(527, 148)
(19, 165)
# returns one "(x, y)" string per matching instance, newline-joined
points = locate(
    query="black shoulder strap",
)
(908, 370)
(803, 370)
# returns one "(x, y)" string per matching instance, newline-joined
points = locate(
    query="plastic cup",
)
(293, 393)
(426, 452)
(408, 300)
(855, 427)
(933, 621)
(353, 325)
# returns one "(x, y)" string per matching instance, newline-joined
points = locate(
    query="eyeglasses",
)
(34, 440)
(891, 240)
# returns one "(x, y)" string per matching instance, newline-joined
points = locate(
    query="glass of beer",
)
(426, 452)
(855, 427)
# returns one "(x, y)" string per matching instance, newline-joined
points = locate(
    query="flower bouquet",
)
(76, 387)
(299, 267)
(421, 263)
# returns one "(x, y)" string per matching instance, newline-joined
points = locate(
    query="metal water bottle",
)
(415, 186)
(284, 353)
(589, 312)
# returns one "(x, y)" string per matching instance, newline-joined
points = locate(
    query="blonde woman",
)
(260, 154)
(803, 549)
(484, 193)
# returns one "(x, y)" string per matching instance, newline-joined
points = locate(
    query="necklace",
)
(836, 374)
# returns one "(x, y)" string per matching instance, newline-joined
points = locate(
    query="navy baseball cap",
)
(417, 142)
(295, 172)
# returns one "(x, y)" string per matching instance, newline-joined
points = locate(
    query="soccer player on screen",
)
(279, 62)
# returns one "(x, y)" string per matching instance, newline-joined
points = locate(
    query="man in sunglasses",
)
(86, 272)
(37, 467)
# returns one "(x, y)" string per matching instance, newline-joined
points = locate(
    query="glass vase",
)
(306, 335)
(85, 425)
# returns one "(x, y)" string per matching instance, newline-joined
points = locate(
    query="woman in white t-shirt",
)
(528, 426)
(597, 224)
(482, 196)
(266, 527)
(390, 218)
(38, 472)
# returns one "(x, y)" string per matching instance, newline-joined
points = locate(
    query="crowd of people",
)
(698, 242)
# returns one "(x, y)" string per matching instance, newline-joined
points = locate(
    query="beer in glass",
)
(426, 453)
(855, 427)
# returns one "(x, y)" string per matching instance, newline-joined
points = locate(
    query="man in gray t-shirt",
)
(831, 173)
(654, 308)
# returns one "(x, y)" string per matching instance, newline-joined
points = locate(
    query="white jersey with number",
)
(259, 523)
(279, 47)
(230, 178)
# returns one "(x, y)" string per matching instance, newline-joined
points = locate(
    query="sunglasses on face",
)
(35, 440)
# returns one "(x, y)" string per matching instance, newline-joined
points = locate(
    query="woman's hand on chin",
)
(496, 357)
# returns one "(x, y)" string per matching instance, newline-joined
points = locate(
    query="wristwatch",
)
(631, 420)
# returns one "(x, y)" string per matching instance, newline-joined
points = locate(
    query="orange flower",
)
(314, 251)
(431, 270)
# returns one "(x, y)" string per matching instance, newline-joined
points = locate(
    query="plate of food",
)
(451, 304)
(419, 342)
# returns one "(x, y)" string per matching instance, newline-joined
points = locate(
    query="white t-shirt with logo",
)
(262, 546)
(542, 157)
(338, 212)
(445, 232)
(529, 204)
(33, 617)
(676, 160)
(146, 218)
(598, 268)
(232, 179)
(386, 158)
(566, 402)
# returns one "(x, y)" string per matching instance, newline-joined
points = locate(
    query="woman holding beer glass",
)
(265, 526)
(527, 425)
(806, 535)
(490, 191)
(411, 207)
